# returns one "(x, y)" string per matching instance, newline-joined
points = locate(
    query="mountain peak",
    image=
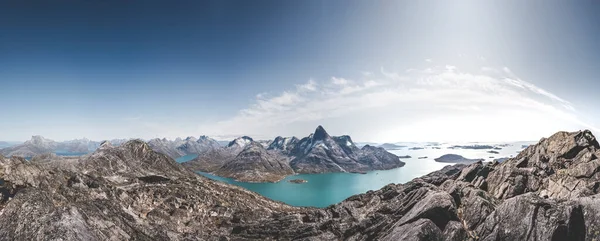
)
(39, 140)
(320, 133)
(241, 141)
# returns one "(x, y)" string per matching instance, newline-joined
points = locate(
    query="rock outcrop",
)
(133, 193)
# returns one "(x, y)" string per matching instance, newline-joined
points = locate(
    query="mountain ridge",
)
(133, 192)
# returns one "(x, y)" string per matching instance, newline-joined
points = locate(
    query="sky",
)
(380, 71)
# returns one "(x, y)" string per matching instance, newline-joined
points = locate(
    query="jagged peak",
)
(560, 140)
(241, 141)
(136, 144)
(105, 144)
(254, 144)
(320, 133)
(37, 139)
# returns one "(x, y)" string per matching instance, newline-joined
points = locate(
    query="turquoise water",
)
(70, 153)
(186, 158)
(326, 189)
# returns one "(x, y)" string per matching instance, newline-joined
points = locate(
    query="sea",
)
(326, 189)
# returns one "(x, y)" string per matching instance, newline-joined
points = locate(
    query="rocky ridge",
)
(317, 153)
(548, 192)
(181, 147)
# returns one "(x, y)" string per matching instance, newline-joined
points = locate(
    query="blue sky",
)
(378, 70)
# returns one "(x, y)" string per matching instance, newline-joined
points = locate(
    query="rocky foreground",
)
(548, 192)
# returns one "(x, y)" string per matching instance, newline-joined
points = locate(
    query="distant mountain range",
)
(181, 147)
(130, 192)
(40, 145)
(247, 160)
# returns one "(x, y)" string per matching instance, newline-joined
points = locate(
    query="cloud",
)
(339, 81)
(437, 103)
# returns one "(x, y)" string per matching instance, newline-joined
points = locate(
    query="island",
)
(494, 152)
(472, 147)
(390, 146)
(453, 158)
(298, 181)
(423, 157)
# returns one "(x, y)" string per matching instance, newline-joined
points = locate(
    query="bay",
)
(326, 189)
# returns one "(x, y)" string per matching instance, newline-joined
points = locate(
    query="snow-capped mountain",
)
(317, 153)
(283, 144)
(320, 152)
(181, 147)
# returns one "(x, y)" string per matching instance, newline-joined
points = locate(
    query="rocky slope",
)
(244, 160)
(549, 192)
(256, 164)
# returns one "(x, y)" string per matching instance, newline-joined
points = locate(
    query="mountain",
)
(39, 145)
(244, 160)
(317, 153)
(548, 192)
(453, 158)
(5, 144)
(240, 143)
(255, 164)
(213, 159)
(36, 145)
(283, 144)
(320, 152)
(181, 147)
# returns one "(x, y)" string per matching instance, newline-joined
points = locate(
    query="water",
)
(326, 189)
(186, 158)
(71, 153)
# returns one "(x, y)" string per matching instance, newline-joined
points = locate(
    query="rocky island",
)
(548, 192)
(298, 181)
(453, 158)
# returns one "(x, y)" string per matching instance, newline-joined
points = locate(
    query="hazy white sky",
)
(439, 102)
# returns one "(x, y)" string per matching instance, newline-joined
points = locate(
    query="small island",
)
(423, 157)
(298, 181)
(405, 157)
(453, 158)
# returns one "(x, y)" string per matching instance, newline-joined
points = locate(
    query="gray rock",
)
(453, 158)
(131, 192)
